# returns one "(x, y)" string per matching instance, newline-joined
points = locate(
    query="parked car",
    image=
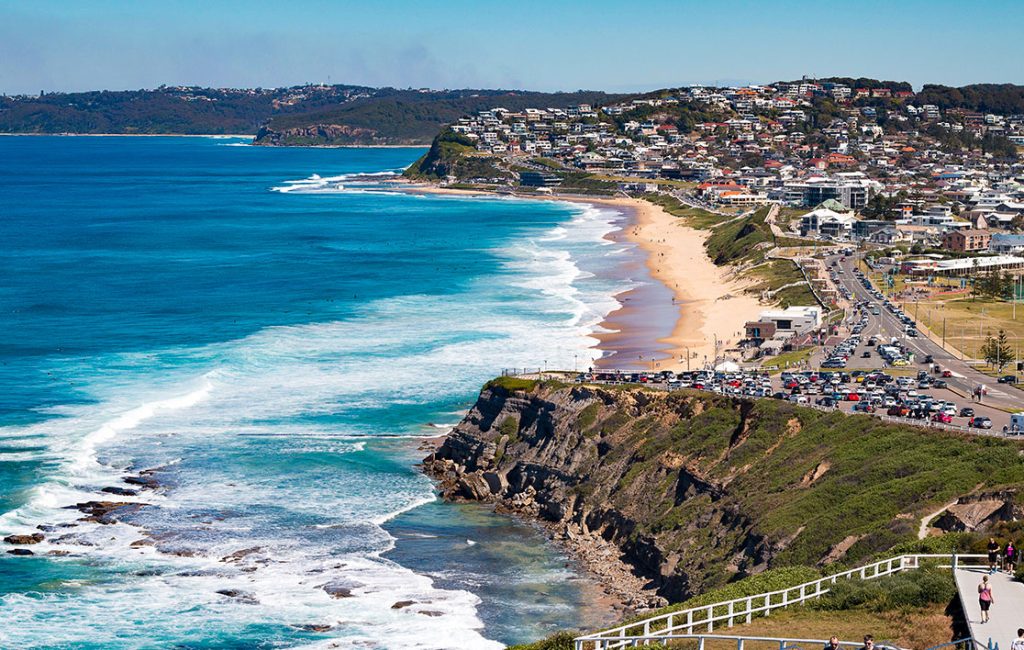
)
(980, 422)
(1008, 379)
(945, 418)
(967, 412)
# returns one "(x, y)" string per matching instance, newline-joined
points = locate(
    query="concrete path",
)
(1007, 613)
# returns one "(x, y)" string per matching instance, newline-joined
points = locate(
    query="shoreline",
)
(226, 136)
(709, 308)
(131, 135)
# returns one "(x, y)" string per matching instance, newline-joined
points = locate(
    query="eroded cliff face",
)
(576, 457)
(695, 489)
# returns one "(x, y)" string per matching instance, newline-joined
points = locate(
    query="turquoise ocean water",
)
(270, 339)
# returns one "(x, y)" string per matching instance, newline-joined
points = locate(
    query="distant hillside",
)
(406, 116)
(859, 82)
(1002, 99)
(165, 110)
(301, 115)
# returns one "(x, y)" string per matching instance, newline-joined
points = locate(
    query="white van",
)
(1017, 422)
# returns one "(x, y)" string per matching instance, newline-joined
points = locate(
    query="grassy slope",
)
(912, 610)
(880, 477)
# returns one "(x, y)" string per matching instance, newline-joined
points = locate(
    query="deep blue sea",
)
(270, 338)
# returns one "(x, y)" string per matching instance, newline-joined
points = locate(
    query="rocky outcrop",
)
(316, 134)
(528, 452)
(34, 538)
(691, 490)
(979, 512)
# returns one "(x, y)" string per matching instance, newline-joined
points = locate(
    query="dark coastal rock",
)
(34, 538)
(107, 512)
(122, 492)
(240, 554)
(144, 479)
(341, 588)
(20, 551)
(535, 455)
(324, 134)
(473, 486)
(313, 627)
(430, 612)
(402, 604)
(239, 595)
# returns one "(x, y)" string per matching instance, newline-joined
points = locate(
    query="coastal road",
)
(885, 325)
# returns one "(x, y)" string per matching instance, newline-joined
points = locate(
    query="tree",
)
(997, 351)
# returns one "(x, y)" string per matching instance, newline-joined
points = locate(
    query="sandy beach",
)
(710, 309)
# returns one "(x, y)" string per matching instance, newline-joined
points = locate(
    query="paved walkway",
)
(1007, 613)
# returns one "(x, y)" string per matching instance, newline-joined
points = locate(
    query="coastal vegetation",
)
(712, 498)
(297, 116)
(713, 489)
(452, 154)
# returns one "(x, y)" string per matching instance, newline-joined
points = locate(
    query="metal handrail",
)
(783, 642)
(758, 604)
(977, 644)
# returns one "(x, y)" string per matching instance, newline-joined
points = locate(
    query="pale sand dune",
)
(710, 304)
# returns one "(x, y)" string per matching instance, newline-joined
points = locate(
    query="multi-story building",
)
(967, 241)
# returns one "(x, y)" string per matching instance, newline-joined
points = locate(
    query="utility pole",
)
(943, 332)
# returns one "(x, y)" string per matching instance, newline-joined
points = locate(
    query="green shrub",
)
(559, 641)
(907, 590)
(509, 427)
(511, 384)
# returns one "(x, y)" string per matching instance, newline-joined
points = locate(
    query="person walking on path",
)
(869, 642)
(833, 644)
(993, 555)
(985, 598)
(1018, 643)
(1010, 553)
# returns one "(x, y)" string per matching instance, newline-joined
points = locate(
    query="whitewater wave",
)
(265, 443)
(316, 184)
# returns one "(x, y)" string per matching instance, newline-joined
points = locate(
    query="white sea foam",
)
(269, 389)
(316, 184)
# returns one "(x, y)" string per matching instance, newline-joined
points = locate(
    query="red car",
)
(942, 417)
(947, 373)
(699, 386)
(852, 397)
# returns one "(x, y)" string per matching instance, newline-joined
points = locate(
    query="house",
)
(1006, 243)
(791, 321)
(827, 223)
(965, 241)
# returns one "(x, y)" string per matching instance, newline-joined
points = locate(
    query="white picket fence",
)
(699, 622)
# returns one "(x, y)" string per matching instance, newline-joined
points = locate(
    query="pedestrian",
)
(1018, 643)
(869, 642)
(993, 555)
(833, 644)
(985, 598)
(1011, 556)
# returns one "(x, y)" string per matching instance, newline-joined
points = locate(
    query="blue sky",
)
(536, 44)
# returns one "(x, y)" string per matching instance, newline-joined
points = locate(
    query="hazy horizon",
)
(60, 46)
